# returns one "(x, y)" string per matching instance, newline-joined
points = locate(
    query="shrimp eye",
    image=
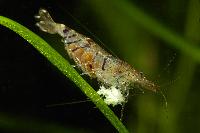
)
(65, 30)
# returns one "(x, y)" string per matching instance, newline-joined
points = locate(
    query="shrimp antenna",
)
(68, 103)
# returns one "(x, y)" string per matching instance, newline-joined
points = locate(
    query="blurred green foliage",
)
(14, 123)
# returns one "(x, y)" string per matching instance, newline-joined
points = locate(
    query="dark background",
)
(28, 82)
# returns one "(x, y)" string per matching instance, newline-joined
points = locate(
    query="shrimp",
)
(115, 75)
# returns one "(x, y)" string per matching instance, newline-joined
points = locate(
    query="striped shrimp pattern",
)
(115, 75)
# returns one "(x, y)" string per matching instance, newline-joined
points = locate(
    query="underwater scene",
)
(93, 66)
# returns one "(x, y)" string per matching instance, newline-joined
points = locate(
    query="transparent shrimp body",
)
(116, 76)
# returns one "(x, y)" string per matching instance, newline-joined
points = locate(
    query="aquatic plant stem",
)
(63, 65)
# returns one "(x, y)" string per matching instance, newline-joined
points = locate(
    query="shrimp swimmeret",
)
(116, 76)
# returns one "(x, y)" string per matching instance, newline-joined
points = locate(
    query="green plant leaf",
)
(133, 13)
(63, 65)
(156, 28)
